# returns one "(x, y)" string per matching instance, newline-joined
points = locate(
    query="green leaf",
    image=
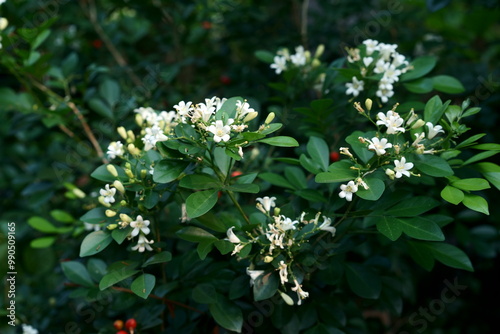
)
(433, 110)
(227, 314)
(452, 195)
(195, 234)
(419, 86)
(363, 281)
(480, 156)
(319, 152)
(94, 243)
(199, 182)
(162, 257)
(472, 184)
(42, 242)
(487, 147)
(42, 225)
(421, 254)
(360, 149)
(450, 255)
(296, 177)
(412, 207)
(421, 66)
(228, 108)
(311, 195)
(375, 189)
(101, 173)
(100, 107)
(244, 188)
(204, 294)
(264, 56)
(224, 246)
(276, 180)
(470, 141)
(168, 170)
(40, 38)
(339, 171)
(471, 111)
(265, 286)
(309, 164)
(62, 216)
(490, 171)
(476, 203)
(120, 234)
(109, 90)
(433, 165)
(421, 228)
(201, 202)
(143, 285)
(204, 248)
(116, 275)
(280, 141)
(94, 216)
(77, 273)
(390, 227)
(447, 84)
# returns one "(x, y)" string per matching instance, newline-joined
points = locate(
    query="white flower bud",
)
(110, 213)
(122, 132)
(419, 123)
(270, 118)
(286, 298)
(3, 23)
(112, 170)
(101, 200)
(119, 186)
(368, 104)
(250, 116)
(268, 259)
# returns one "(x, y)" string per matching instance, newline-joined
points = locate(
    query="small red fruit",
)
(121, 332)
(219, 194)
(225, 80)
(334, 156)
(236, 173)
(206, 25)
(118, 324)
(131, 324)
(97, 43)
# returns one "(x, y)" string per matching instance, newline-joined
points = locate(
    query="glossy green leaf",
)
(472, 184)
(143, 285)
(265, 286)
(363, 281)
(296, 177)
(433, 110)
(109, 90)
(162, 257)
(452, 195)
(339, 171)
(62, 216)
(120, 234)
(450, 255)
(280, 141)
(199, 182)
(490, 171)
(447, 84)
(42, 242)
(421, 66)
(476, 203)
(227, 314)
(264, 56)
(100, 107)
(479, 157)
(390, 227)
(433, 165)
(319, 152)
(204, 247)
(360, 149)
(419, 86)
(77, 273)
(421, 228)
(94, 216)
(201, 202)
(276, 180)
(412, 207)
(101, 173)
(204, 294)
(42, 225)
(375, 189)
(244, 188)
(168, 170)
(195, 234)
(421, 254)
(95, 242)
(117, 275)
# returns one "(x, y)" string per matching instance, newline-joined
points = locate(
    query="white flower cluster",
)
(279, 237)
(283, 59)
(140, 227)
(27, 329)
(378, 58)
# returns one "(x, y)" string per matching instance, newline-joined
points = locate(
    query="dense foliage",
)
(250, 166)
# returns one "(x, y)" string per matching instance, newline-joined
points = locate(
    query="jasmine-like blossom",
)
(108, 194)
(418, 139)
(275, 236)
(231, 236)
(143, 244)
(380, 66)
(27, 329)
(139, 225)
(402, 167)
(283, 271)
(266, 203)
(203, 112)
(325, 226)
(384, 94)
(115, 149)
(285, 223)
(299, 58)
(347, 190)
(392, 121)
(243, 109)
(433, 130)
(220, 131)
(279, 64)
(301, 294)
(379, 145)
(371, 46)
(90, 227)
(354, 87)
(367, 61)
(183, 108)
(237, 248)
(148, 115)
(253, 275)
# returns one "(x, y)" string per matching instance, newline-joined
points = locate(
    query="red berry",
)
(219, 194)
(121, 332)
(131, 324)
(236, 173)
(225, 80)
(118, 324)
(334, 156)
(97, 43)
(206, 25)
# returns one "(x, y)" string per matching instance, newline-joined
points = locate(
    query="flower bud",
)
(268, 259)
(138, 119)
(319, 51)
(286, 298)
(112, 170)
(390, 173)
(368, 104)
(277, 211)
(419, 123)
(396, 148)
(250, 116)
(110, 213)
(122, 132)
(131, 136)
(112, 226)
(119, 186)
(3, 23)
(144, 173)
(133, 150)
(315, 63)
(270, 118)
(78, 193)
(123, 202)
(129, 173)
(125, 218)
(101, 200)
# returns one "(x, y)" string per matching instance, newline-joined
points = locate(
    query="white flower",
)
(402, 167)
(243, 109)
(220, 131)
(285, 223)
(371, 46)
(354, 87)
(147, 114)
(433, 130)
(348, 190)
(139, 225)
(108, 194)
(143, 244)
(115, 149)
(384, 94)
(27, 329)
(151, 169)
(253, 275)
(367, 61)
(392, 74)
(301, 294)
(379, 145)
(90, 227)
(183, 108)
(153, 135)
(418, 139)
(299, 58)
(279, 64)
(237, 248)
(380, 66)
(283, 272)
(275, 236)
(203, 112)
(398, 60)
(231, 236)
(392, 121)
(267, 203)
(386, 50)
(325, 226)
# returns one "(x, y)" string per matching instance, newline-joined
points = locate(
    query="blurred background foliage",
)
(109, 57)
